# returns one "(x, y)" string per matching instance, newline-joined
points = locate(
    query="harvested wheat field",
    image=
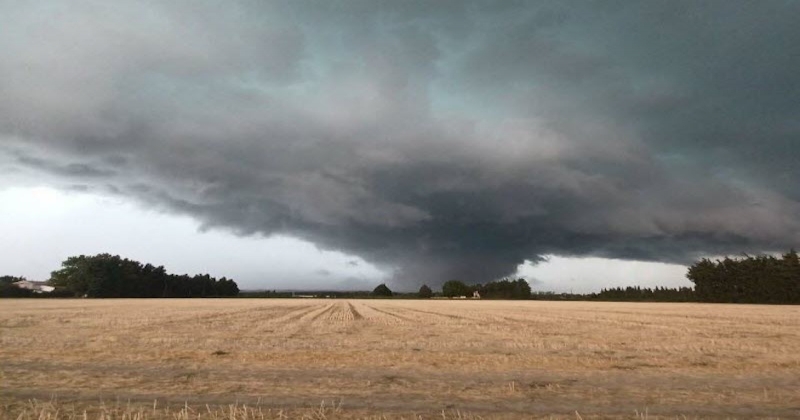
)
(261, 358)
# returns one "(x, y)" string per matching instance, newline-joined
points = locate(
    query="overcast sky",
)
(343, 143)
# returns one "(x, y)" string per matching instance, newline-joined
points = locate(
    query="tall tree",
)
(425, 292)
(759, 279)
(382, 290)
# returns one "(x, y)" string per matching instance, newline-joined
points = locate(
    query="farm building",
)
(36, 286)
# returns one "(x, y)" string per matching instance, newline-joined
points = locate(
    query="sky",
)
(344, 143)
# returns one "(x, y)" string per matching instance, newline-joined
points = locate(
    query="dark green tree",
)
(382, 290)
(106, 275)
(522, 290)
(760, 279)
(74, 275)
(425, 292)
(455, 288)
(505, 289)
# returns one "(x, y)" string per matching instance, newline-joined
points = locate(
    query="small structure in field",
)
(294, 295)
(476, 295)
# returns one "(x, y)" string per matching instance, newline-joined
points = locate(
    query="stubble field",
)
(261, 358)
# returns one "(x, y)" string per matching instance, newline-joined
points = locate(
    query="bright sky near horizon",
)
(48, 225)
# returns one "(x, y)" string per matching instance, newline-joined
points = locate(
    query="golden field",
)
(284, 358)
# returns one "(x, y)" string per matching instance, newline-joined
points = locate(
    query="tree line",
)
(751, 279)
(499, 289)
(639, 294)
(111, 276)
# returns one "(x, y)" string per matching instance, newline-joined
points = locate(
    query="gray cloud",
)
(438, 139)
(72, 170)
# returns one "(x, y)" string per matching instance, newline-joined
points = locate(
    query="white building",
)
(36, 286)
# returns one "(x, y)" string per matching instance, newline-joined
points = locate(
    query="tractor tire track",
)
(391, 314)
(443, 315)
(217, 317)
(304, 322)
(356, 315)
(268, 324)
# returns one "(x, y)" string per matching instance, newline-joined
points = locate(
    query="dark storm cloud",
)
(439, 139)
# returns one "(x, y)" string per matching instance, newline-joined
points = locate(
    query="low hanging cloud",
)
(437, 139)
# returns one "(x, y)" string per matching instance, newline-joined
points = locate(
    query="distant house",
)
(36, 286)
(294, 295)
